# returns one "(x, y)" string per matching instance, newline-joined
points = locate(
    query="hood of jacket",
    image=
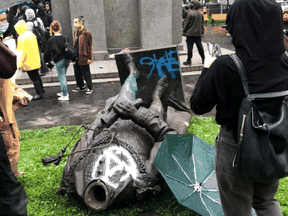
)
(30, 14)
(196, 4)
(256, 27)
(21, 27)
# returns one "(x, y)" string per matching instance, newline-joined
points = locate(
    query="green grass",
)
(41, 182)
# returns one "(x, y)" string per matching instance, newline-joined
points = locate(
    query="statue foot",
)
(128, 60)
(160, 87)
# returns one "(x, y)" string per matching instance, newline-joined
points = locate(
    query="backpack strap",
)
(268, 95)
(243, 76)
(241, 71)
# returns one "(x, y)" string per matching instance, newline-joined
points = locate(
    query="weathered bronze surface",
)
(117, 167)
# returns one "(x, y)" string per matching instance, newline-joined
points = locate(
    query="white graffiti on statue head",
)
(166, 61)
(119, 165)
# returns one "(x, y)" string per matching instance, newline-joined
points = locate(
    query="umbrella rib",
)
(208, 177)
(194, 168)
(177, 180)
(205, 204)
(183, 200)
(215, 201)
(182, 169)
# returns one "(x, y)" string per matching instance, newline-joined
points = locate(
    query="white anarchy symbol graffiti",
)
(119, 165)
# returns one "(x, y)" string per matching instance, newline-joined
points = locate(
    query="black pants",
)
(239, 196)
(13, 198)
(36, 79)
(34, 75)
(190, 42)
(81, 71)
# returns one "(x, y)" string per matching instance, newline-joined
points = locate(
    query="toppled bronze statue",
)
(116, 166)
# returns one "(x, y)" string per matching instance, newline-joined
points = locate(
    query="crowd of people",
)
(39, 39)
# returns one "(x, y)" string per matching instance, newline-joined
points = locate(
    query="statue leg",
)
(129, 88)
(127, 93)
(160, 88)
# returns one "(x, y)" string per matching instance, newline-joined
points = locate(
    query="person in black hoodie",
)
(256, 27)
(193, 29)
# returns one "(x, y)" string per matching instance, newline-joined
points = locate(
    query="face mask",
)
(3, 28)
(76, 24)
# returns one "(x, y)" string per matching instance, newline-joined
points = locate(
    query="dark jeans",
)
(34, 75)
(36, 79)
(81, 71)
(239, 196)
(13, 198)
(190, 42)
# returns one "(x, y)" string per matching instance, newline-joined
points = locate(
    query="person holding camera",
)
(55, 51)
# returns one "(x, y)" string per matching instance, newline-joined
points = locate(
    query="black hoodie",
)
(256, 27)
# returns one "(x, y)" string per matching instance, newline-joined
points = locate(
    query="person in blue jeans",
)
(55, 51)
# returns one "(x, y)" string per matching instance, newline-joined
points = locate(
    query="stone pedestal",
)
(119, 24)
(94, 21)
(176, 23)
(155, 23)
(61, 12)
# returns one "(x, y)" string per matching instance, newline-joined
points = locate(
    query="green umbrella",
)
(187, 165)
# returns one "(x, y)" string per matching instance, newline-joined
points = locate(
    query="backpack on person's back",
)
(39, 33)
(262, 148)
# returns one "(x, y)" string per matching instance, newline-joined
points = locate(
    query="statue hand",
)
(125, 109)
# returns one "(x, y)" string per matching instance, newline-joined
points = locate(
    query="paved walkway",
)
(81, 108)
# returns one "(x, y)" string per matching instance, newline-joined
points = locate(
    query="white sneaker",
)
(64, 98)
(60, 94)
(89, 91)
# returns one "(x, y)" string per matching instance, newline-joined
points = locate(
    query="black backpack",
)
(262, 148)
(69, 51)
(39, 33)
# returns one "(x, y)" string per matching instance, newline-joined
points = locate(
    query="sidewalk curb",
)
(102, 80)
(51, 77)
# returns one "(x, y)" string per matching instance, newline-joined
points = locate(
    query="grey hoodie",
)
(194, 22)
(30, 15)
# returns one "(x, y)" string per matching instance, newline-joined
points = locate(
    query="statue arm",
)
(149, 120)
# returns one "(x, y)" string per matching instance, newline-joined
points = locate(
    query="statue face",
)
(110, 173)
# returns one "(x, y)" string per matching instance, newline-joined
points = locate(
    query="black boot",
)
(187, 63)
(38, 89)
